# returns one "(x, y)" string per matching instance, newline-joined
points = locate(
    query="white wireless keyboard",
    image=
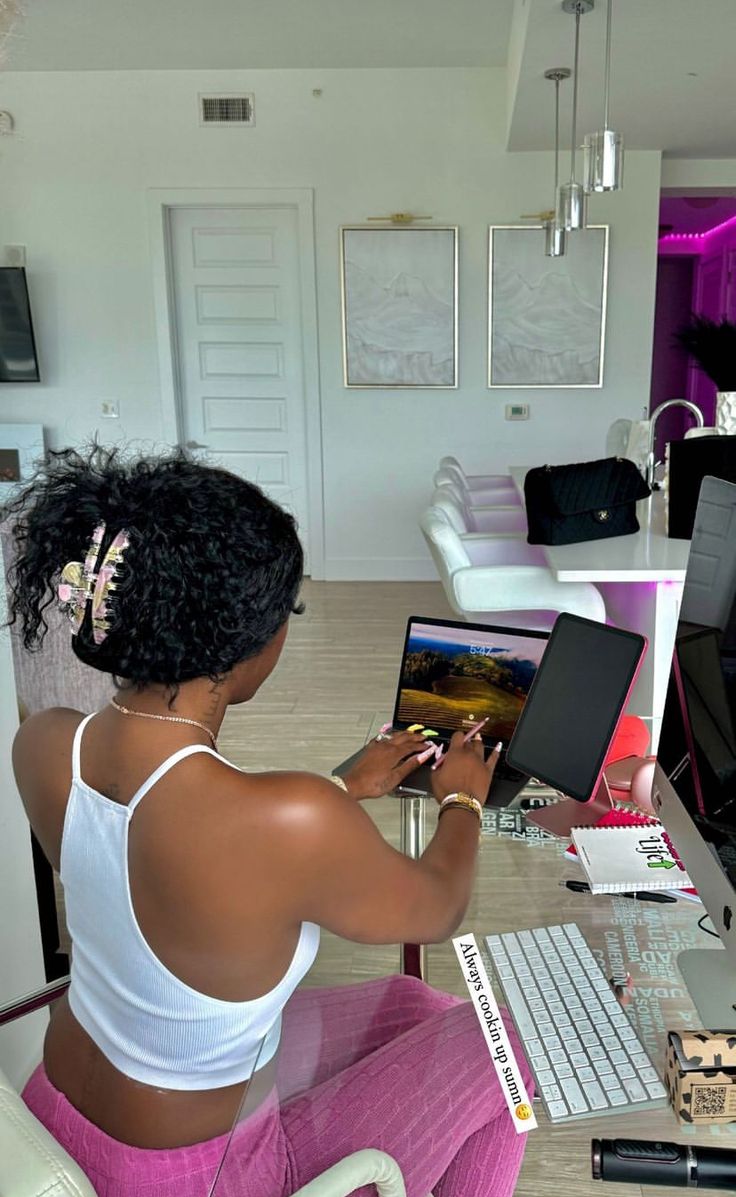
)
(583, 1051)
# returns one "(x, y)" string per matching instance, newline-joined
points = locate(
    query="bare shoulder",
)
(307, 826)
(305, 797)
(283, 827)
(42, 766)
(46, 731)
(296, 805)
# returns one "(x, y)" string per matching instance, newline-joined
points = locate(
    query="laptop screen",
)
(455, 674)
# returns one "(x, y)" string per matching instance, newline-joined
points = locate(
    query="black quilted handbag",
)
(588, 500)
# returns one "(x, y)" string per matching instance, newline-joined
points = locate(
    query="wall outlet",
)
(110, 409)
(517, 411)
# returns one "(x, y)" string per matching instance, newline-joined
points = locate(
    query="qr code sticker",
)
(709, 1101)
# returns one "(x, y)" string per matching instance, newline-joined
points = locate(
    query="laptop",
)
(452, 675)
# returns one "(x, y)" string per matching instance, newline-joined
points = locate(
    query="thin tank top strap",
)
(163, 769)
(77, 748)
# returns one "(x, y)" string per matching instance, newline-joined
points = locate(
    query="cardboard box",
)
(700, 1076)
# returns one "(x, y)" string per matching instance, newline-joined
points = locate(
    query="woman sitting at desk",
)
(195, 892)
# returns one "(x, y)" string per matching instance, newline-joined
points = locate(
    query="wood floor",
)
(334, 686)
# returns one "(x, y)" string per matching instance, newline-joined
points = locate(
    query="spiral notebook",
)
(618, 860)
(626, 817)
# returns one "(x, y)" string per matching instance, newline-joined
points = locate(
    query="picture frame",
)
(399, 288)
(546, 316)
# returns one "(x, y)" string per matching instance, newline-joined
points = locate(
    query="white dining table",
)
(641, 578)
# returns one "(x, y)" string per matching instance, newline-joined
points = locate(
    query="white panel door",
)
(235, 286)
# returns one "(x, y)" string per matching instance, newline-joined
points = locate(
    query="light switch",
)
(517, 411)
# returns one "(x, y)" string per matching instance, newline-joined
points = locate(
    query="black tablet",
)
(575, 703)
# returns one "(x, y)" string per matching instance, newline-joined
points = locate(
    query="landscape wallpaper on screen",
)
(452, 678)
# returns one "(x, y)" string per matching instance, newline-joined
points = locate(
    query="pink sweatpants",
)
(389, 1063)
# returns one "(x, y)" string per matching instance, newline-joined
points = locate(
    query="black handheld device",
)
(636, 1161)
(575, 703)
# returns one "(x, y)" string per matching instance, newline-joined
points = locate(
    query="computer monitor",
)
(694, 789)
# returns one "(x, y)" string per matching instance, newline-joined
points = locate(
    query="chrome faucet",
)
(651, 463)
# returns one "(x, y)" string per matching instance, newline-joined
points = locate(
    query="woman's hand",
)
(386, 762)
(464, 769)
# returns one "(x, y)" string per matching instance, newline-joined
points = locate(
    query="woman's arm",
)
(349, 880)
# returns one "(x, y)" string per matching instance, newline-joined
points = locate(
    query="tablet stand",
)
(559, 818)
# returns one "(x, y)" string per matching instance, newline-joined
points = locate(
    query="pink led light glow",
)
(699, 238)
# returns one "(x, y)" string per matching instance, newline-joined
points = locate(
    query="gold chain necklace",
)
(165, 719)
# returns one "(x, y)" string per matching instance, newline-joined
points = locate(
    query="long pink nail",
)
(469, 735)
(440, 757)
(386, 727)
(499, 746)
(424, 756)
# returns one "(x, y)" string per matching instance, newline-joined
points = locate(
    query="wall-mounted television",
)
(18, 360)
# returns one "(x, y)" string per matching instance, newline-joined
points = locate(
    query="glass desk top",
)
(517, 887)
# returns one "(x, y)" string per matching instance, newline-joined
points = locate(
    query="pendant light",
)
(555, 237)
(604, 150)
(571, 198)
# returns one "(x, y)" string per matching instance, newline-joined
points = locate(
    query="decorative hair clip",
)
(82, 582)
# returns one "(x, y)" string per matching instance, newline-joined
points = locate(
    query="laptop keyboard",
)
(585, 1055)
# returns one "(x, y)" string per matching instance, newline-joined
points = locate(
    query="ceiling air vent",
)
(229, 109)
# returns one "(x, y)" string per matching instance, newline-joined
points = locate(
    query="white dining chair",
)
(479, 499)
(477, 481)
(506, 495)
(502, 580)
(479, 521)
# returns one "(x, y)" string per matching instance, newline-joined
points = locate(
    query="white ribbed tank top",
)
(149, 1024)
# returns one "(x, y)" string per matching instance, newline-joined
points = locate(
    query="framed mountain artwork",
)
(546, 316)
(399, 306)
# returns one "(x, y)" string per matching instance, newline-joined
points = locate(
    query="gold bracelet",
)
(338, 781)
(457, 806)
(467, 807)
(465, 799)
(462, 802)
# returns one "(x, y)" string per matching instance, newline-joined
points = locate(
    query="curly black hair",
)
(211, 573)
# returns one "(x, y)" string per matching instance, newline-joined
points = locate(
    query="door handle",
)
(195, 445)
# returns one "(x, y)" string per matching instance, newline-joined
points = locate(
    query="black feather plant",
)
(712, 346)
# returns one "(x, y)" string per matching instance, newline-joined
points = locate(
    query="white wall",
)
(21, 958)
(693, 174)
(73, 184)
